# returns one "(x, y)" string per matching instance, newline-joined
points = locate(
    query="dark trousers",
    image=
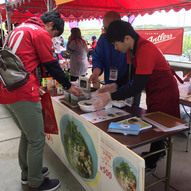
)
(151, 160)
(73, 78)
(91, 51)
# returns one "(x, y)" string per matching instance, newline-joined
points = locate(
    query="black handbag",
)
(12, 71)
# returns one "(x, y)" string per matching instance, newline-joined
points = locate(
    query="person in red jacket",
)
(32, 43)
(152, 73)
(93, 46)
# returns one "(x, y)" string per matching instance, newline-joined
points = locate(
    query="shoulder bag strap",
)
(7, 40)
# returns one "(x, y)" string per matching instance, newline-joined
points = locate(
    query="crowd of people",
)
(78, 49)
(130, 65)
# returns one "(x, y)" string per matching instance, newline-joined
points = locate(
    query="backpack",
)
(12, 71)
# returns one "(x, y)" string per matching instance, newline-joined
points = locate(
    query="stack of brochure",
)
(137, 121)
(131, 126)
(124, 128)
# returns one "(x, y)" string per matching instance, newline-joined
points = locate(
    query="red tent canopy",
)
(84, 9)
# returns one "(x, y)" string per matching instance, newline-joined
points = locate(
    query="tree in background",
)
(187, 46)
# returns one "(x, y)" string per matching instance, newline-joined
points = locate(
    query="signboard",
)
(169, 41)
(97, 161)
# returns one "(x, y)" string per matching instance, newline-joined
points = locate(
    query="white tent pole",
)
(49, 5)
(8, 16)
(2, 35)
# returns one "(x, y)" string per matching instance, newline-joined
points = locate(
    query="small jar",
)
(59, 89)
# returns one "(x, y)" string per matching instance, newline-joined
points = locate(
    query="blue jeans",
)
(28, 117)
(91, 51)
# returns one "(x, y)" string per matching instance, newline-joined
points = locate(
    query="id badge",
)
(113, 74)
(129, 101)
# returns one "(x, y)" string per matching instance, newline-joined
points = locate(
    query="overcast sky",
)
(170, 19)
(181, 18)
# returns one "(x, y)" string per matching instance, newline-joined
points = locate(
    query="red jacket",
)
(93, 45)
(32, 43)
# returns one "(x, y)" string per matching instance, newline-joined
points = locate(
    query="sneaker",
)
(45, 171)
(149, 170)
(162, 155)
(47, 185)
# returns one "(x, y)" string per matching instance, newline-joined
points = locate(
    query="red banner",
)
(169, 41)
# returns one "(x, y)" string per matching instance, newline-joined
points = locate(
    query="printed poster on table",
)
(119, 169)
(95, 159)
(77, 146)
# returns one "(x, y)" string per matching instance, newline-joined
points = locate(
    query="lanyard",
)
(130, 63)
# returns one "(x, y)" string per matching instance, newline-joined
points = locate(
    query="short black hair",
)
(55, 17)
(117, 31)
(16, 24)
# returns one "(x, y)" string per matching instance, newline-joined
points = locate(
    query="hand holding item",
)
(41, 91)
(102, 99)
(93, 78)
(108, 88)
(75, 91)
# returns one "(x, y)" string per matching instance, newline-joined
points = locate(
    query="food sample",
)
(77, 151)
(126, 177)
(85, 103)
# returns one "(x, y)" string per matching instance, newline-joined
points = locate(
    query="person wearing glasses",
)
(33, 45)
(108, 60)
